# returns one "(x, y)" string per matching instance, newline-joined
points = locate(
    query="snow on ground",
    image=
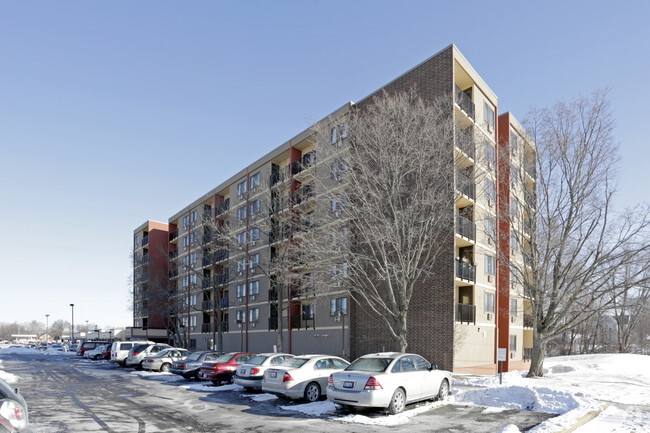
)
(576, 388)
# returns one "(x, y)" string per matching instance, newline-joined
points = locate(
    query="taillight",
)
(149, 360)
(372, 384)
(13, 412)
(254, 371)
(181, 366)
(287, 377)
(330, 381)
(135, 353)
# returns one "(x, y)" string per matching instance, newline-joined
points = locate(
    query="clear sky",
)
(112, 113)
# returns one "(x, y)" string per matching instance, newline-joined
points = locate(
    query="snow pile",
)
(202, 387)
(262, 397)
(389, 420)
(315, 409)
(521, 398)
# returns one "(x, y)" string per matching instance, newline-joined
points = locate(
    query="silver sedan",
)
(162, 361)
(388, 380)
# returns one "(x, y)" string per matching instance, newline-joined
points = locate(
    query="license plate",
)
(273, 374)
(348, 384)
(243, 371)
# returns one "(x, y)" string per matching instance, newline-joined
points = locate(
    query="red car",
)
(222, 369)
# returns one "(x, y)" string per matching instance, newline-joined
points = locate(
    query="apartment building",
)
(473, 305)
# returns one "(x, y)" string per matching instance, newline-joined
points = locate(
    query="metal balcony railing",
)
(466, 271)
(222, 208)
(464, 102)
(465, 185)
(465, 227)
(466, 313)
(465, 142)
(528, 320)
(530, 168)
(145, 240)
(173, 235)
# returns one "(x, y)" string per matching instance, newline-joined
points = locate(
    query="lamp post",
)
(341, 314)
(47, 328)
(72, 328)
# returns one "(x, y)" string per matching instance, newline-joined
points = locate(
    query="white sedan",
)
(388, 380)
(306, 377)
(250, 375)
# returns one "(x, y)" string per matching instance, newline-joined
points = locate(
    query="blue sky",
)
(112, 113)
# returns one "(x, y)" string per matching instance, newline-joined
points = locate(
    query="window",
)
(255, 261)
(254, 234)
(514, 242)
(193, 217)
(513, 142)
(338, 304)
(254, 288)
(308, 312)
(193, 279)
(255, 181)
(186, 221)
(184, 321)
(514, 279)
(334, 136)
(186, 281)
(490, 228)
(241, 238)
(254, 315)
(513, 343)
(514, 207)
(343, 130)
(241, 214)
(193, 237)
(241, 189)
(241, 264)
(191, 300)
(489, 154)
(186, 241)
(490, 191)
(255, 208)
(185, 261)
(192, 258)
(136, 241)
(488, 116)
(241, 291)
(240, 315)
(489, 265)
(513, 308)
(514, 175)
(336, 208)
(489, 302)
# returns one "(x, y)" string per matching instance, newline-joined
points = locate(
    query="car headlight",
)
(14, 414)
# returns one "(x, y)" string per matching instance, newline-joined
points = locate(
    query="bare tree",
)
(628, 308)
(384, 202)
(577, 241)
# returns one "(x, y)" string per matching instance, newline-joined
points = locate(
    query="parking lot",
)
(69, 394)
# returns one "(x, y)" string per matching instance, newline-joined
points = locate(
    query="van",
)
(120, 350)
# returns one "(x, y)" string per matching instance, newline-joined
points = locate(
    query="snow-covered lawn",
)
(608, 392)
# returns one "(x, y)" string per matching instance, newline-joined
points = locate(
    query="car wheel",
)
(97, 357)
(312, 392)
(216, 382)
(397, 402)
(443, 393)
(249, 389)
(165, 367)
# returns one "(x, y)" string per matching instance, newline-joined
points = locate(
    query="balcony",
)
(465, 271)
(528, 321)
(466, 313)
(530, 168)
(465, 185)
(173, 273)
(222, 279)
(530, 199)
(173, 254)
(145, 240)
(273, 295)
(465, 227)
(464, 102)
(465, 141)
(273, 323)
(145, 259)
(173, 235)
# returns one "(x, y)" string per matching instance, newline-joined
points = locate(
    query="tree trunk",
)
(537, 357)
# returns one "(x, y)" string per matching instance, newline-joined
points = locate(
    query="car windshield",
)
(193, 357)
(374, 365)
(298, 362)
(257, 360)
(140, 347)
(225, 358)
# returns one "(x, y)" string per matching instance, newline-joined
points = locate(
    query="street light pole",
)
(72, 328)
(47, 328)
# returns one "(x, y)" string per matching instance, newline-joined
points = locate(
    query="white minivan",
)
(120, 350)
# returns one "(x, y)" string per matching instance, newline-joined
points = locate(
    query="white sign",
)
(502, 354)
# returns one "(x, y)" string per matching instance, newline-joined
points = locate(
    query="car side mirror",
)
(433, 367)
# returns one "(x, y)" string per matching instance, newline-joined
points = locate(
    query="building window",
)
(490, 191)
(241, 238)
(193, 279)
(514, 242)
(241, 214)
(489, 154)
(490, 228)
(334, 136)
(186, 241)
(489, 302)
(254, 315)
(254, 288)
(193, 321)
(241, 189)
(255, 261)
(514, 175)
(489, 265)
(338, 305)
(488, 116)
(513, 142)
(240, 316)
(186, 221)
(308, 312)
(192, 258)
(241, 264)
(185, 261)
(255, 208)
(136, 241)
(513, 308)
(254, 234)
(513, 343)
(186, 281)
(193, 237)
(241, 290)
(193, 217)
(255, 181)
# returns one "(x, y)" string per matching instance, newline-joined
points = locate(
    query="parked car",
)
(190, 366)
(97, 353)
(120, 350)
(14, 416)
(58, 348)
(89, 345)
(388, 380)
(162, 361)
(139, 352)
(222, 369)
(306, 377)
(250, 375)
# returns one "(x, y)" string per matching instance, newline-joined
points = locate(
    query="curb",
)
(584, 419)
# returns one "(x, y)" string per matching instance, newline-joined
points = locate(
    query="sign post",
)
(502, 355)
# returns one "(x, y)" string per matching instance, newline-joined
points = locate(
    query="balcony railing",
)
(465, 227)
(173, 273)
(530, 200)
(173, 254)
(466, 313)
(465, 185)
(528, 320)
(222, 208)
(173, 235)
(466, 271)
(222, 279)
(464, 102)
(145, 240)
(528, 353)
(273, 323)
(145, 259)
(465, 142)
(273, 295)
(530, 168)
